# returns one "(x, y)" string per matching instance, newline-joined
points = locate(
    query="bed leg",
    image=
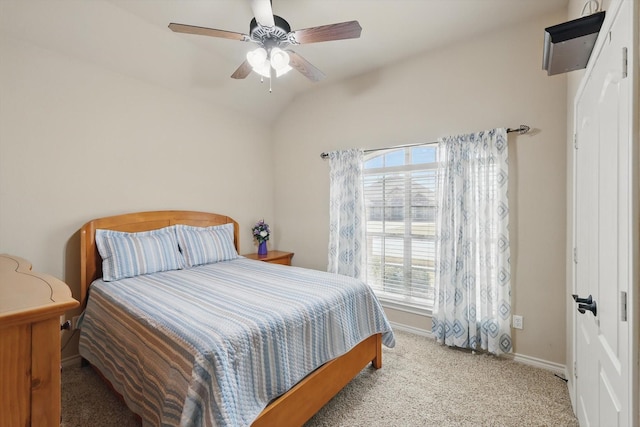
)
(377, 360)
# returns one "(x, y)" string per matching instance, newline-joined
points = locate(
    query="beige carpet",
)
(420, 384)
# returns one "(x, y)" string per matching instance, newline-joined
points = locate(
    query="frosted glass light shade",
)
(283, 70)
(257, 57)
(259, 62)
(279, 58)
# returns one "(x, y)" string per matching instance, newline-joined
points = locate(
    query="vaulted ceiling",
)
(131, 37)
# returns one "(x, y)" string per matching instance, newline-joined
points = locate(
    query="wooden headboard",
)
(90, 260)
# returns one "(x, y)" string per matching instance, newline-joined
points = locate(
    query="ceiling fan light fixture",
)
(258, 60)
(257, 57)
(264, 70)
(283, 70)
(279, 58)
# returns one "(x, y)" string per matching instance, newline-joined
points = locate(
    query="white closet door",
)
(605, 238)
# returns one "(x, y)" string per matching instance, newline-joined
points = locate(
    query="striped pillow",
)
(132, 254)
(206, 245)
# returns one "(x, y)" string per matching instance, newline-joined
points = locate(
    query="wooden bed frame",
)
(302, 401)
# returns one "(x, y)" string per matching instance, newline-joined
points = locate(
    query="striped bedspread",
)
(213, 345)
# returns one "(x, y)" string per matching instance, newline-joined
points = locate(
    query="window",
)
(400, 206)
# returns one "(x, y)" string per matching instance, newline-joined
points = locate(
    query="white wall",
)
(492, 81)
(79, 142)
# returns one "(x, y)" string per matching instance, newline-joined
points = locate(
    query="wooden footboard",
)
(306, 398)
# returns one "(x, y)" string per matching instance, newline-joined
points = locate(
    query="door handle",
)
(591, 307)
(587, 300)
(585, 304)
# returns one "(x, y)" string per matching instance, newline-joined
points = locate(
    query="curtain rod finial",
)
(522, 129)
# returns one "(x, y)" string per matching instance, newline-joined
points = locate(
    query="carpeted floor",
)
(420, 384)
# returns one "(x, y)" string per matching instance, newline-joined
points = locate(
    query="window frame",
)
(402, 302)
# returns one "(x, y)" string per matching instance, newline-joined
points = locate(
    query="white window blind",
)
(400, 203)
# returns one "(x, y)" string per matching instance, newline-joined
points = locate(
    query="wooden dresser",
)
(30, 308)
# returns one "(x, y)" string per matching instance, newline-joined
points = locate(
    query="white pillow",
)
(132, 254)
(206, 245)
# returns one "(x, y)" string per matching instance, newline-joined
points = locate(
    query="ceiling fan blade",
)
(243, 71)
(303, 66)
(203, 31)
(342, 30)
(262, 12)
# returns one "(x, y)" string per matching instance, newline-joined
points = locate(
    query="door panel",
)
(610, 408)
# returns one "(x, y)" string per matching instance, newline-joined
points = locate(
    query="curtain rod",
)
(522, 129)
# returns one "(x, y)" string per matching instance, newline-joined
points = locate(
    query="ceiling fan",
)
(273, 36)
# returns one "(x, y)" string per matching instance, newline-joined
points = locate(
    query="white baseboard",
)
(412, 329)
(556, 368)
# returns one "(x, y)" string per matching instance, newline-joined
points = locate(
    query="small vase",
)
(262, 248)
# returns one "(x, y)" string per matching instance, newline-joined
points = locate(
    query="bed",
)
(180, 347)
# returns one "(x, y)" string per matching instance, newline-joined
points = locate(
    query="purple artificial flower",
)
(261, 231)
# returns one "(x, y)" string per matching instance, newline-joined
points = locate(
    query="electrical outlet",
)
(74, 322)
(517, 322)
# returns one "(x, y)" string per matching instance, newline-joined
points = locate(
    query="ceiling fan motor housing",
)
(270, 37)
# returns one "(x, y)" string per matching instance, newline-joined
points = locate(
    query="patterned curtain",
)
(346, 213)
(472, 306)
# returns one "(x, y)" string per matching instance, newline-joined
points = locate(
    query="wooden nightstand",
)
(274, 257)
